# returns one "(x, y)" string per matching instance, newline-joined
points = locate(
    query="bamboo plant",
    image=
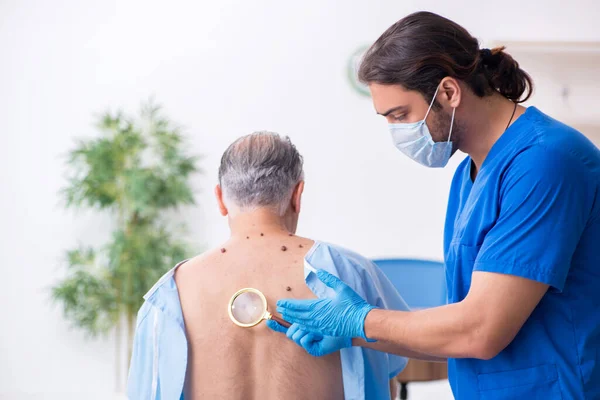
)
(136, 172)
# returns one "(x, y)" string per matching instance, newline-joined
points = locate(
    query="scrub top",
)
(532, 211)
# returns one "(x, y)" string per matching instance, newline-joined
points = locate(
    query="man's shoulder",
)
(553, 144)
(340, 250)
(340, 256)
(196, 265)
(184, 269)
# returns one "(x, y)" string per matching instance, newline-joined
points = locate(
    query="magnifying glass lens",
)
(247, 308)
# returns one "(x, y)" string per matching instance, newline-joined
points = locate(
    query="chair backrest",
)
(421, 283)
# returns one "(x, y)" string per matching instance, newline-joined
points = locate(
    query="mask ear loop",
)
(431, 104)
(451, 124)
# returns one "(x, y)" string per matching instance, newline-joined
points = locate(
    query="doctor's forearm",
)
(396, 349)
(441, 332)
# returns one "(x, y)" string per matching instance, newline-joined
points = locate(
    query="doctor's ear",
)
(219, 195)
(451, 92)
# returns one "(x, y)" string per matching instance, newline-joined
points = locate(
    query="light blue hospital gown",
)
(159, 358)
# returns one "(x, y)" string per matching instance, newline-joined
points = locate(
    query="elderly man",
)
(187, 347)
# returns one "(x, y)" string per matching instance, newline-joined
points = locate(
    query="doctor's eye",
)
(398, 117)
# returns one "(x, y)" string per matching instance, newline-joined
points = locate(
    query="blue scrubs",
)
(533, 211)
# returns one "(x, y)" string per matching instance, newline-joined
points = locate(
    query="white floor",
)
(438, 390)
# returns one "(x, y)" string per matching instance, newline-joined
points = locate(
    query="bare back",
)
(229, 362)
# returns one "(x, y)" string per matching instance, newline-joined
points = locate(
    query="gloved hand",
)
(315, 344)
(342, 316)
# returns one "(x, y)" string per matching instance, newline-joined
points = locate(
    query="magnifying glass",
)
(248, 308)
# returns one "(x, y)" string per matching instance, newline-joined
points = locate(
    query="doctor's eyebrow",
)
(391, 110)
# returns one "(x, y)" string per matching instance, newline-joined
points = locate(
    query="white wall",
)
(222, 68)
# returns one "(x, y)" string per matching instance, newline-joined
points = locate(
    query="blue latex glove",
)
(315, 344)
(342, 316)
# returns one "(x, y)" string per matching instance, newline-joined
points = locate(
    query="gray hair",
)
(260, 170)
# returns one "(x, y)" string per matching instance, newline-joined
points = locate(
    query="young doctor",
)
(522, 233)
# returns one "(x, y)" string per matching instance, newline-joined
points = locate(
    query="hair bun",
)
(491, 57)
(504, 74)
(485, 53)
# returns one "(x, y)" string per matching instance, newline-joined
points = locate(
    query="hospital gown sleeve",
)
(140, 369)
(542, 214)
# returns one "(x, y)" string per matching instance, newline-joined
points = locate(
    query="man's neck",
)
(487, 122)
(257, 222)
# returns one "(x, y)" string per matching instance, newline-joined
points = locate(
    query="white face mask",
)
(414, 140)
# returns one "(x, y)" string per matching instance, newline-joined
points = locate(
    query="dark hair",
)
(423, 48)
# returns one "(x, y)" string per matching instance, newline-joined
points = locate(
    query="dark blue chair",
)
(422, 284)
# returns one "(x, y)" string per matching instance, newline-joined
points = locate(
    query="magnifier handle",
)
(281, 322)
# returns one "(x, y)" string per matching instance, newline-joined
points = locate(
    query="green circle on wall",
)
(352, 71)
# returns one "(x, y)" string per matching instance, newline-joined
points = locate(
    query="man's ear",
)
(451, 92)
(297, 197)
(220, 202)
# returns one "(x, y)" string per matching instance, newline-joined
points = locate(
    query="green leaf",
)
(135, 171)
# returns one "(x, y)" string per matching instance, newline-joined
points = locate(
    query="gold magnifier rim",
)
(236, 295)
